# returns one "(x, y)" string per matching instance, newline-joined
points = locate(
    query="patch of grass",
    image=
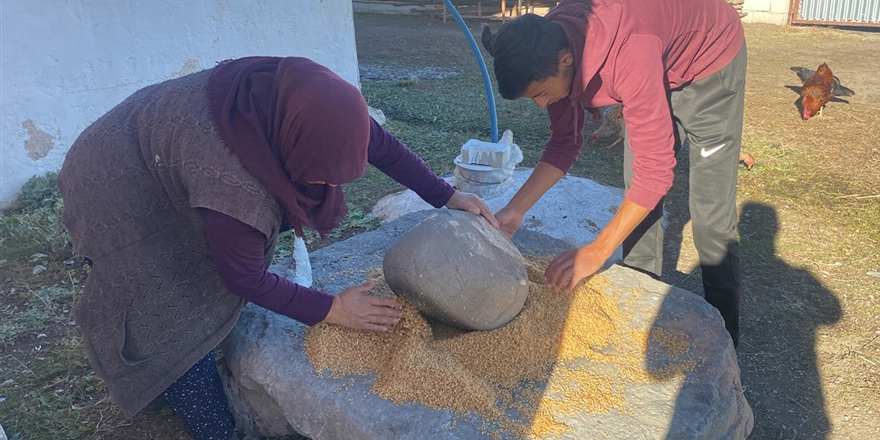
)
(33, 312)
(34, 224)
(57, 397)
(790, 175)
(27, 233)
(461, 108)
(52, 382)
(436, 117)
(356, 221)
(38, 192)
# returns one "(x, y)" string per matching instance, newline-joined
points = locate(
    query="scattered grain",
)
(564, 354)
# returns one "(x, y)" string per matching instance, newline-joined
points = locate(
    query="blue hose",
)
(493, 117)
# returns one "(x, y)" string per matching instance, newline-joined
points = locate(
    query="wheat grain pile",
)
(564, 354)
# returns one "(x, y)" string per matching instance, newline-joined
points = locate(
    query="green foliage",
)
(35, 224)
(455, 109)
(30, 231)
(357, 218)
(39, 192)
(284, 246)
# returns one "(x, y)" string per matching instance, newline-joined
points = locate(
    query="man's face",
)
(554, 88)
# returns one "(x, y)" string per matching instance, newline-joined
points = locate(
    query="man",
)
(678, 67)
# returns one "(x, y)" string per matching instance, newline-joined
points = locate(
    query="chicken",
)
(819, 88)
(747, 159)
(612, 125)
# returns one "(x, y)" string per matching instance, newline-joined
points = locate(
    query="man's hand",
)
(509, 220)
(566, 270)
(542, 178)
(356, 308)
(572, 266)
(472, 204)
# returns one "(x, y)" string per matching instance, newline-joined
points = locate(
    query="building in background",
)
(63, 64)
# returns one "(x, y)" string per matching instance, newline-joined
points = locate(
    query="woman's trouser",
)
(198, 398)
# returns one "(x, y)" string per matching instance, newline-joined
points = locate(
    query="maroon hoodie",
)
(633, 52)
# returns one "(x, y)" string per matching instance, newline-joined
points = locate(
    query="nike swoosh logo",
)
(706, 153)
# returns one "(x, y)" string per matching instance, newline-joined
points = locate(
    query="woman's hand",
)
(472, 204)
(356, 308)
(566, 270)
(509, 220)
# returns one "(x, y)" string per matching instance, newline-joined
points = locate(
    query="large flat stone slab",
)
(274, 390)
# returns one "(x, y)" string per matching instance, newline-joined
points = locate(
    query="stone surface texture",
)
(574, 210)
(455, 267)
(274, 390)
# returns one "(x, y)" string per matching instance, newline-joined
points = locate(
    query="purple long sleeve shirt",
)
(239, 250)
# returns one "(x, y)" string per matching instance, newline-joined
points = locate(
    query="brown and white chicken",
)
(612, 125)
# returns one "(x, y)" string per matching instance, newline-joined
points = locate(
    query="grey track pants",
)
(709, 115)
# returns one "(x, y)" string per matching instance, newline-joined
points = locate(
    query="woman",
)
(177, 196)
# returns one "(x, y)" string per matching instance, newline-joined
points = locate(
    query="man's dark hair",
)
(525, 49)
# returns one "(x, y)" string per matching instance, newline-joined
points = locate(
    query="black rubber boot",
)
(727, 302)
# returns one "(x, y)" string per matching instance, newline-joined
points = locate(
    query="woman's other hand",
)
(472, 204)
(356, 308)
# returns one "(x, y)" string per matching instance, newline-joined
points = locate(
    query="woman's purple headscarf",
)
(290, 121)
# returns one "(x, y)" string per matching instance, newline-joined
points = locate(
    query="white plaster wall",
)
(766, 11)
(64, 63)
